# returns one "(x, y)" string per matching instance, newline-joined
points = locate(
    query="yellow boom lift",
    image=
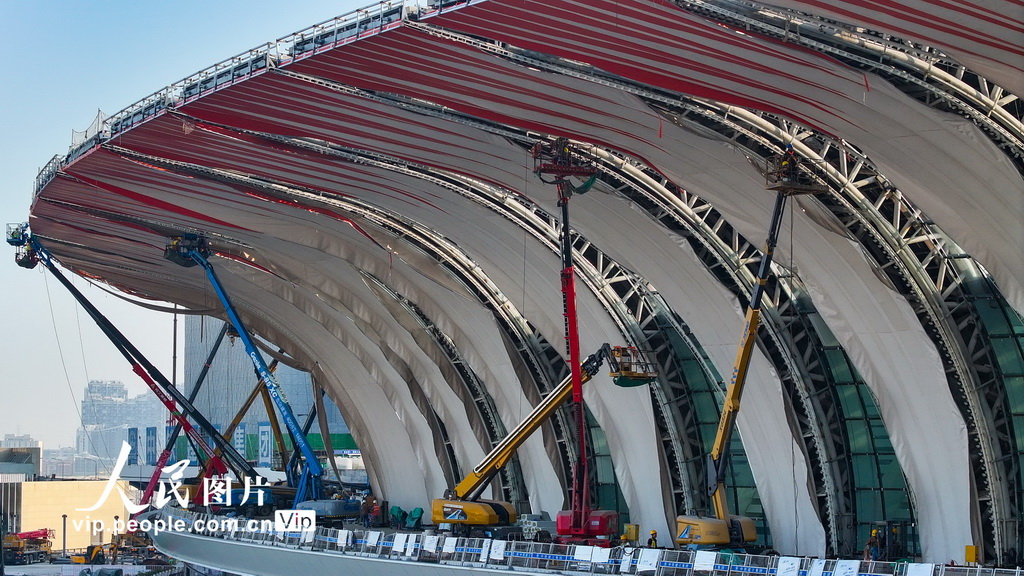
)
(462, 505)
(725, 529)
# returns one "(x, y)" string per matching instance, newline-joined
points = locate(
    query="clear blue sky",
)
(63, 61)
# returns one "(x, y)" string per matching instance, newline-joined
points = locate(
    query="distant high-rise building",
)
(104, 402)
(231, 379)
(20, 441)
(108, 412)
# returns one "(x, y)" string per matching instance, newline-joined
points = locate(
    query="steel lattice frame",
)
(913, 254)
(470, 388)
(941, 267)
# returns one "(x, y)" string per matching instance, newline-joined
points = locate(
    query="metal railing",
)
(125, 570)
(344, 29)
(547, 557)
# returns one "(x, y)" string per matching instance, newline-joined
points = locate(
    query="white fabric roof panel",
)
(660, 45)
(317, 112)
(940, 151)
(292, 262)
(986, 35)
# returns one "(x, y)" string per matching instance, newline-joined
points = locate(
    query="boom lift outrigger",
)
(31, 252)
(725, 529)
(191, 250)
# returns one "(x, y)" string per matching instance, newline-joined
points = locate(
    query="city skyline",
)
(137, 408)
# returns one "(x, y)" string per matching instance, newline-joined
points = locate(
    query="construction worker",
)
(365, 510)
(652, 542)
(789, 164)
(375, 517)
(871, 548)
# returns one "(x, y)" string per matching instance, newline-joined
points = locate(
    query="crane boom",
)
(718, 457)
(787, 177)
(31, 251)
(560, 161)
(194, 250)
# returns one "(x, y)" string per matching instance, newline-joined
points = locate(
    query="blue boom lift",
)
(192, 250)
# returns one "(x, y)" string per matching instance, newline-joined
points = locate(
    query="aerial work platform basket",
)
(791, 174)
(629, 368)
(18, 236)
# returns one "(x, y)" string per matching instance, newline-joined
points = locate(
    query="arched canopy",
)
(370, 178)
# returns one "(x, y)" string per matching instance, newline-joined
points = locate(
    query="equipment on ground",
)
(192, 250)
(332, 513)
(94, 554)
(28, 547)
(462, 506)
(131, 547)
(725, 529)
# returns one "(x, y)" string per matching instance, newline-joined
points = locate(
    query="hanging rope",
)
(67, 377)
(792, 442)
(81, 345)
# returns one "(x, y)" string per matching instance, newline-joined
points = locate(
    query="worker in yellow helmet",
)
(871, 548)
(652, 542)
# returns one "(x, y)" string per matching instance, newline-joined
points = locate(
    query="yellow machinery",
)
(131, 545)
(27, 547)
(726, 529)
(94, 554)
(462, 505)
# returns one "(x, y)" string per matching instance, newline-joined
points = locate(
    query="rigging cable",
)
(67, 377)
(81, 345)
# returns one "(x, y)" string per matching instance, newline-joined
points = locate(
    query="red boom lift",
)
(579, 524)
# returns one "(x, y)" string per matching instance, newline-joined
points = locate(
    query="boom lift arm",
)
(293, 465)
(725, 528)
(471, 486)
(560, 162)
(719, 457)
(556, 163)
(188, 251)
(31, 251)
(462, 504)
